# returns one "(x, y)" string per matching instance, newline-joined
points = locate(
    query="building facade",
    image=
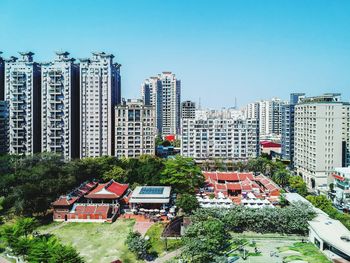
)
(100, 91)
(60, 106)
(287, 127)
(321, 140)
(163, 92)
(252, 110)
(270, 118)
(4, 121)
(2, 77)
(188, 109)
(22, 93)
(135, 129)
(220, 137)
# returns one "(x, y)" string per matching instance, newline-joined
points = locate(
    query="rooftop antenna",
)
(199, 103)
(235, 103)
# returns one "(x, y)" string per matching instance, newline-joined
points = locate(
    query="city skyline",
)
(266, 49)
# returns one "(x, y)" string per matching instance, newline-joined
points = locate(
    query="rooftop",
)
(151, 194)
(110, 190)
(332, 231)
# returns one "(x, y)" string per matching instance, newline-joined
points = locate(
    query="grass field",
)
(158, 244)
(308, 252)
(96, 242)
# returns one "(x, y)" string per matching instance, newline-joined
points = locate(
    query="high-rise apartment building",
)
(2, 77)
(287, 127)
(60, 106)
(270, 117)
(188, 109)
(100, 91)
(22, 93)
(163, 92)
(252, 110)
(3, 127)
(216, 135)
(321, 142)
(135, 129)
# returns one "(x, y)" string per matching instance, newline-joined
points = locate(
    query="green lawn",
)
(309, 252)
(158, 244)
(97, 242)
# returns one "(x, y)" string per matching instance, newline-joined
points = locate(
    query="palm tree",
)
(281, 177)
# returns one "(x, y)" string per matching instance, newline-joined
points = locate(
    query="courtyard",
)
(275, 249)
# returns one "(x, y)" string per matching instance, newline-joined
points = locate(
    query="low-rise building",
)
(91, 202)
(242, 187)
(270, 147)
(151, 197)
(329, 235)
(341, 176)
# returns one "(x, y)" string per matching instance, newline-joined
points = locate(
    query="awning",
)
(338, 177)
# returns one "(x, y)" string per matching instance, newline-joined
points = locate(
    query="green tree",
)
(297, 183)
(204, 241)
(166, 143)
(117, 173)
(182, 174)
(25, 226)
(281, 177)
(138, 245)
(188, 203)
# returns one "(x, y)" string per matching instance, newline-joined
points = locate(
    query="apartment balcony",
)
(18, 91)
(17, 128)
(55, 74)
(18, 136)
(17, 110)
(55, 83)
(55, 128)
(53, 101)
(55, 91)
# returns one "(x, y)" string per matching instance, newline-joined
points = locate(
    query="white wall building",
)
(321, 140)
(99, 93)
(215, 135)
(163, 92)
(22, 92)
(270, 117)
(135, 129)
(252, 110)
(60, 106)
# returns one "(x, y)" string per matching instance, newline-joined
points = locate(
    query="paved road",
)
(2, 260)
(168, 256)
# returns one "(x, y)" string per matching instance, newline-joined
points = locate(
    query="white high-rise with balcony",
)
(60, 106)
(321, 138)
(270, 117)
(163, 92)
(22, 92)
(135, 129)
(99, 93)
(220, 134)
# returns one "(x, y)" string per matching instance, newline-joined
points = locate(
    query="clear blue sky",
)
(219, 49)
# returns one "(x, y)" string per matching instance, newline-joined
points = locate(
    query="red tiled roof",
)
(240, 181)
(91, 210)
(234, 186)
(227, 176)
(65, 201)
(221, 186)
(110, 190)
(268, 144)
